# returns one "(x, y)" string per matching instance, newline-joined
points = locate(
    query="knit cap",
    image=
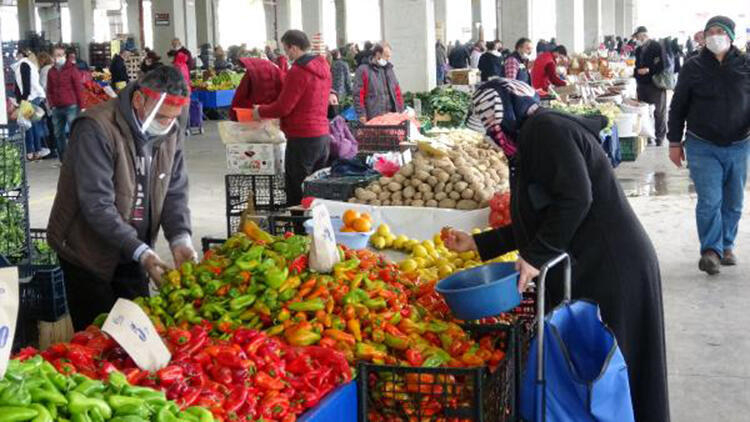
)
(722, 22)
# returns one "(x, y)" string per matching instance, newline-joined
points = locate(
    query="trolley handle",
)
(541, 286)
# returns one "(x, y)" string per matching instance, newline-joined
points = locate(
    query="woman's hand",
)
(457, 240)
(527, 273)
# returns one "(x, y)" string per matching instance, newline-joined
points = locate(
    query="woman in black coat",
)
(565, 198)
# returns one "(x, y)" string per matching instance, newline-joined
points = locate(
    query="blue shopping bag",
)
(584, 374)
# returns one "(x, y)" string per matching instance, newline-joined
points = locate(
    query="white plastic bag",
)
(646, 116)
(323, 251)
(266, 131)
(8, 313)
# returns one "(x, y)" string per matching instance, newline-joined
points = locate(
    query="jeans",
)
(62, 120)
(440, 74)
(719, 175)
(34, 137)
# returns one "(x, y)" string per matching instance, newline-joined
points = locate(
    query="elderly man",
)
(123, 179)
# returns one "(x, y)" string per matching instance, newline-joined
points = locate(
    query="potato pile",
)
(463, 178)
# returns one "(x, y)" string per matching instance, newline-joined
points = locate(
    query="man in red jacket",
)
(64, 97)
(302, 107)
(544, 72)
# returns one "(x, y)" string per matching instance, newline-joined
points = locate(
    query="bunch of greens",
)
(451, 102)
(12, 227)
(10, 166)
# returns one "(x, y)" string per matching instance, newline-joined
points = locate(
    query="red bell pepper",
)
(169, 375)
(267, 382)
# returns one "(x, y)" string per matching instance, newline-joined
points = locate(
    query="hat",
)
(722, 22)
(640, 30)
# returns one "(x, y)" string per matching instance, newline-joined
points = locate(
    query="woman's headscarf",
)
(502, 105)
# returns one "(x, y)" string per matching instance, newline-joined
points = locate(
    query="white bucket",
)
(628, 124)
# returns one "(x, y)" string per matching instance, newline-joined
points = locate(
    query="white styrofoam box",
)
(258, 159)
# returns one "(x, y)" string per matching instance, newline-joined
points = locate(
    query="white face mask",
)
(152, 127)
(60, 61)
(718, 44)
(382, 62)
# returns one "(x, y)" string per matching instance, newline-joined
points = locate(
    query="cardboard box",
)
(464, 76)
(256, 159)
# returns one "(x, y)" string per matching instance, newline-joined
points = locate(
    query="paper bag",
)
(8, 313)
(134, 331)
(323, 251)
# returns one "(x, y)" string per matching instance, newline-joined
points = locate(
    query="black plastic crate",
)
(268, 192)
(12, 160)
(280, 224)
(43, 297)
(336, 188)
(15, 243)
(405, 393)
(27, 332)
(379, 138)
(209, 242)
(233, 222)
(41, 253)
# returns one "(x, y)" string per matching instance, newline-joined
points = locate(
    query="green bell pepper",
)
(79, 403)
(241, 302)
(312, 305)
(16, 394)
(274, 277)
(203, 414)
(17, 413)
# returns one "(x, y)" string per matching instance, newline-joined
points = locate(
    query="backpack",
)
(667, 79)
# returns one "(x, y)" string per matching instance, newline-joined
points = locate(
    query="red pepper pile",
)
(93, 94)
(249, 375)
(500, 210)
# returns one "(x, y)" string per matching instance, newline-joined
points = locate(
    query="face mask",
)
(718, 44)
(382, 62)
(152, 127)
(60, 61)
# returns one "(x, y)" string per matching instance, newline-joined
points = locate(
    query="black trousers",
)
(303, 157)
(88, 295)
(651, 94)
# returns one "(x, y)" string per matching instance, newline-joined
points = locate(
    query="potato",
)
(407, 170)
(399, 178)
(460, 186)
(397, 202)
(374, 202)
(417, 203)
(443, 176)
(431, 203)
(384, 181)
(386, 202)
(361, 193)
(448, 188)
(432, 180)
(456, 195)
(456, 177)
(394, 186)
(408, 192)
(352, 200)
(447, 203)
(384, 195)
(427, 196)
(424, 187)
(467, 194)
(374, 188)
(440, 196)
(415, 182)
(421, 174)
(397, 196)
(466, 204)
(417, 195)
(439, 187)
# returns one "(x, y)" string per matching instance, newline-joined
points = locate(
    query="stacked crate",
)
(100, 55)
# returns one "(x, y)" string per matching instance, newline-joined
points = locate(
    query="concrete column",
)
(191, 26)
(476, 19)
(205, 21)
(134, 21)
(51, 23)
(26, 17)
(570, 24)
(3, 111)
(82, 22)
(620, 17)
(412, 40)
(342, 38)
(177, 28)
(608, 17)
(592, 23)
(484, 13)
(517, 21)
(312, 17)
(441, 21)
(629, 20)
(288, 13)
(270, 14)
(499, 21)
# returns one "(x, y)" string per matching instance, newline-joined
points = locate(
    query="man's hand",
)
(154, 266)
(457, 241)
(362, 119)
(256, 114)
(643, 71)
(333, 99)
(677, 154)
(527, 273)
(183, 253)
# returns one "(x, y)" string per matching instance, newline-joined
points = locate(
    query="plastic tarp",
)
(415, 222)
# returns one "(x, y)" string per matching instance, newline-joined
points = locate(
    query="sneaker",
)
(729, 258)
(44, 152)
(710, 263)
(30, 157)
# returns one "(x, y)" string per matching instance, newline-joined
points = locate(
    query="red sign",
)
(161, 19)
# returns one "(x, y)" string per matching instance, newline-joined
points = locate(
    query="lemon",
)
(445, 270)
(408, 265)
(378, 242)
(437, 239)
(421, 262)
(428, 245)
(384, 230)
(466, 256)
(476, 231)
(419, 251)
(400, 242)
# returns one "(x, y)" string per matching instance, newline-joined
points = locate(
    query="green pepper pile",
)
(33, 390)
(12, 227)
(10, 166)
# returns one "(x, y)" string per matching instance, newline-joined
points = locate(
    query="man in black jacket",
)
(649, 62)
(119, 70)
(713, 97)
(458, 58)
(491, 63)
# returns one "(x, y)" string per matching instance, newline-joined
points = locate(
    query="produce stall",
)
(215, 90)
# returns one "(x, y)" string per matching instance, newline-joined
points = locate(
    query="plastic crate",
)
(15, 244)
(336, 188)
(41, 253)
(280, 224)
(375, 138)
(468, 394)
(27, 332)
(12, 160)
(630, 147)
(339, 405)
(268, 195)
(208, 242)
(214, 99)
(43, 297)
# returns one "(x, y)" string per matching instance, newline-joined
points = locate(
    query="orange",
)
(347, 229)
(362, 225)
(366, 216)
(349, 217)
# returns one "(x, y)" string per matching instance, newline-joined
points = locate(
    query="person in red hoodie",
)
(64, 97)
(302, 106)
(181, 63)
(544, 72)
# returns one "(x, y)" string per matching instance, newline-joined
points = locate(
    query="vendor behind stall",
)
(376, 88)
(544, 72)
(565, 198)
(302, 107)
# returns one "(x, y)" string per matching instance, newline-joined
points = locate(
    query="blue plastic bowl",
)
(350, 240)
(481, 292)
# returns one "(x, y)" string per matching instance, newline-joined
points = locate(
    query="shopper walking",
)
(302, 107)
(376, 87)
(565, 198)
(491, 63)
(476, 53)
(516, 65)
(441, 61)
(713, 98)
(363, 57)
(341, 75)
(29, 89)
(649, 62)
(65, 98)
(177, 47)
(544, 72)
(123, 181)
(150, 62)
(181, 63)
(45, 64)
(700, 42)
(458, 58)
(119, 71)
